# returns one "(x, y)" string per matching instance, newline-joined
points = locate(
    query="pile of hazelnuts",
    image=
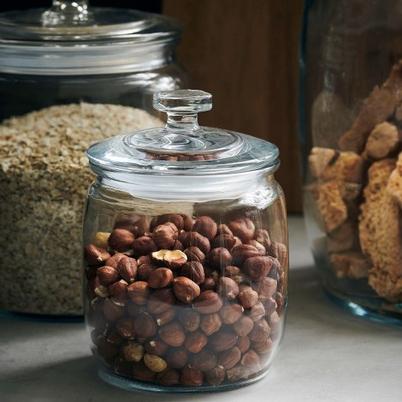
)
(182, 301)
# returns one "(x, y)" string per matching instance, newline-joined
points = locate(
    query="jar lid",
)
(78, 39)
(182, 147)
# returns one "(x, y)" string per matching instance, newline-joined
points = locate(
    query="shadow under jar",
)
(186, 256)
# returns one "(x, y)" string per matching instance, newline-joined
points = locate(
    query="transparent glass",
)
(185, 254)
(69, 76)
(209, 313)
(350, 132)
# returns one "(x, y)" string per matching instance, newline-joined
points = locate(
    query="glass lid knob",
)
(67, 12)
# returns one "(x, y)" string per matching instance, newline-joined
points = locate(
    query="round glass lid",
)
(74, 20)
(183, 147)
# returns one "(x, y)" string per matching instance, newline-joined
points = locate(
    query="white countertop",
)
(326, 355)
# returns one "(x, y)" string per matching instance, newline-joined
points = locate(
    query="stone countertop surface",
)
(326, 354)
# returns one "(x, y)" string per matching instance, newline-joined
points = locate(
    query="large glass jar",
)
(185, 254)
(69, 76)
(351, 133)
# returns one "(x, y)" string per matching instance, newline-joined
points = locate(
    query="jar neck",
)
(99, 59)
(254, 187)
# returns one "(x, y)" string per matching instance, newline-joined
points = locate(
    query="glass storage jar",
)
(351, 137)
(185, 254)
(69, 76)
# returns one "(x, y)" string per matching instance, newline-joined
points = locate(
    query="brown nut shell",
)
(191, 377)
(223, 340)
(160, 300)
(138, 292)
(193, 270)
(228, 288)
(95, 256)
(208, 302)
(258, 267)
(242, 252)
(215, 376)
(219, 257)
(205, 226)
(127, 269)
(229, 358)
(144, 326)
(177, 358)
(172, 334)
(243, 228)
(185, 289)
(194, 254)
(107, 275)
(204, 360)
(210, 323)
(230, 313)
(195, 342)
(248, 297)
(190, 319)
(121, 240)
(195, 239)
(160, 278)
(143, 245)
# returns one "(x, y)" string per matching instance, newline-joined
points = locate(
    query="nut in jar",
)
(187, 290)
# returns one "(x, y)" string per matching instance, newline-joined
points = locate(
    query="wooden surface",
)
(245, 53)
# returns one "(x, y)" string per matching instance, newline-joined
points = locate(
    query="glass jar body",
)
(350, 138)
(195, 298)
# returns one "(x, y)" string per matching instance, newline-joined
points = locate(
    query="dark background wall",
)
(245, 53)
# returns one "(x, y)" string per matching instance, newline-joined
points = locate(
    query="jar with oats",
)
(69, 76)
(186, 254)
(352, 125)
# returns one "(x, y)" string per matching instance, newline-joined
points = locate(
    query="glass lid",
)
(182, 147)
(73, 20)
(71, 38)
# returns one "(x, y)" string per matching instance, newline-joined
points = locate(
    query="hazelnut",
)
(229, 358)
(121, 240)
(215, 376)
(144, 326)
(242, 252)
(172, 334)
(118, 290)
(224, 240)
(260, 331)
(190, 319)
(208, 284)
(269, 304)
(230, 313)
(263, 346)
(243, 343)
(142, 373)
(243, 326)
(228, 288)
(204, 360)
(156, 347)
(177, 246)
(144, 270)
(101, 239)
(95, 255)
(134, 309)
(205, 226)
(144, 259)
(191, 377)
(237, 373)
(251, 360)
(136, 224)
(262, 236)
(194, 254)
(114, 260)
(107, 275)
(193, 270)
(114, 337)
(160, 278)
(165, 235)
(111, 310)
(195, 239)
(165, 317)
(243, 228)
(125, 328)
(100, 290)
(176, 219)
(248, 297)
(177, 358)
(106, 349)
(138, 292)
(280, 301)
(210, 323)
(262, 250)
(133, 352)
(195, 342)
(160, 300)
(188, 222)
(154, 363)
(223, 340)
(258, 267)
(208, 302)
(224, 229)
(169, 377)
(279, 251)
(266, 287)
(219, 257)
(127, 268)
(274, 322)
(172, 258)
(143, 245)
(257, 312)
(185, 289)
